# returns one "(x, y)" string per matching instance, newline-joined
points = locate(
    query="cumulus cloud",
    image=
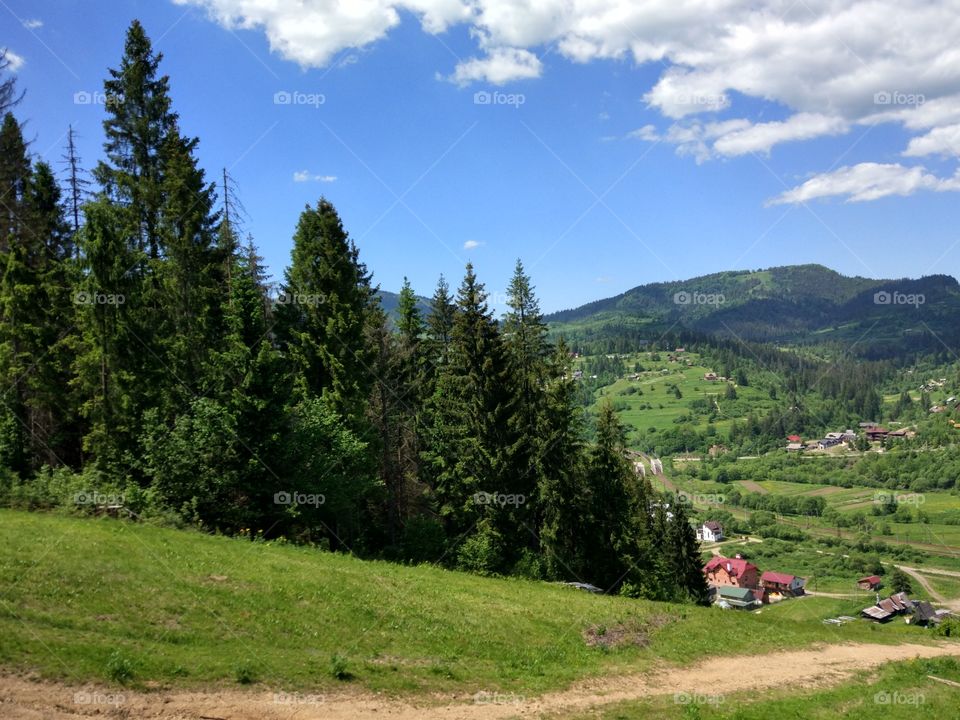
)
(33, 24)
(471, 245)
(824, 66)
(15, 61)
(500, 66)
(939, 141)
(867, 181)
(301, 176)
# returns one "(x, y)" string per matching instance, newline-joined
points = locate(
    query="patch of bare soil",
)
(23, 698)
(633, 632)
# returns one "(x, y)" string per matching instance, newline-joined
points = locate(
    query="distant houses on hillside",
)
(735, 582)
(871, 431)
(710, 531)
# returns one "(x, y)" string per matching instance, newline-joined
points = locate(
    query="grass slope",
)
(85, 599)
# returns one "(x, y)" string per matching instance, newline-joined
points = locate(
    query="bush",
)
(119, 668)
(481, 552)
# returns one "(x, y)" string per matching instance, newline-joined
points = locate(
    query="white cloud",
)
(500, 66)
(763, 136)
(647, 132)
(33, 24)
(301, 176)
(827, 66)
(471, 244)
(939, 141)
(867, 181)
(15, 61)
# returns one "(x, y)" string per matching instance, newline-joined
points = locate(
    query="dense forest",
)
(147, 364)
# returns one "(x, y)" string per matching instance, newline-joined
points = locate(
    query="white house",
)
(710, 531)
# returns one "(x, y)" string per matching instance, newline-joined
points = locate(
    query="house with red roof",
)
(731, 572)
(871, 582)
(794, 438)
(784, 584)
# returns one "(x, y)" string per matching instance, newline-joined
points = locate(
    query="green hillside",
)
(800, 304)
(114, 601)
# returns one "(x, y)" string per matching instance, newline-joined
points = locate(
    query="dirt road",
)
(23, 699)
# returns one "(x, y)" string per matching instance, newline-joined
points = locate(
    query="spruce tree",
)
(109, 362)
(193, 286)
(139, 120)
(563, 496)
(323, 313)
(683, 551)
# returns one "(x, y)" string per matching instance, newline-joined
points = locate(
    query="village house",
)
(717, 450)
(710, 531)
(731, 572)
(783, 584)
(871, 582)
(794, 447)
(897, 604)
(877, 433)
(794, 438)
(828, 442)
(736, 597)
(710, 377)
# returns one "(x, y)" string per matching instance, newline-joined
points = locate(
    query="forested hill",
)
(795, 304)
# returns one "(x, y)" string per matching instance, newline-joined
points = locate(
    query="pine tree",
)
(527, 350)
(35, 310)
(193, 285)
(20, 252)
(683, 553)
(109, 363)
(323, 313)
(77, 183)
(468, 441)
(563, 495)
(608, 536)
(440, 323)
(139, 120)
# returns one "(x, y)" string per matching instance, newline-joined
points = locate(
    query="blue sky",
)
(603, 167)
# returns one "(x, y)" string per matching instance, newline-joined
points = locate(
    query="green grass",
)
(105, 600)
(899, 691)
(664, 407)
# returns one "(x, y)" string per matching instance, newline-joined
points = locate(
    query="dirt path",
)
(24, 699)
(937, 597)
